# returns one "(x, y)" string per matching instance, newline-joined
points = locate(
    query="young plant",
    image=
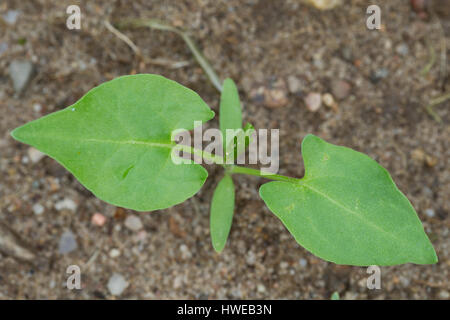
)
(116, 140)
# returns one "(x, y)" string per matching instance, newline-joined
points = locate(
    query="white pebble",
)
(294, 84)
(114, 253)
(444, 294)
(328, 100)
(67, 204)
(117, 284)
(38, 209)
(133, 222)
(313, 101)
(177, 282)
(35, 155)
(429, 212)
(185, 253)
(37, 107)
(261, 288)
(303, 263)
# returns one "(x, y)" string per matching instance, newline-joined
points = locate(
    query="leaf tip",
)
(17, 134)
(228, 82)
(218, 247)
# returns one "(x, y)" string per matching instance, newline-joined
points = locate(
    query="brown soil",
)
(257, 43)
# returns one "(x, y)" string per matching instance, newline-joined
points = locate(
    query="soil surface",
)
(279, 53)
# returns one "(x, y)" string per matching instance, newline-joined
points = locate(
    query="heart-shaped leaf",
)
(348, 210)
(116, 140)
(221, 215)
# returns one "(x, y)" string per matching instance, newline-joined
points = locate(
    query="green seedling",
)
(116, 140)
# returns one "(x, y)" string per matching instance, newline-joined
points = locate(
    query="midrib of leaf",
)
(170, 145)
(133, 142)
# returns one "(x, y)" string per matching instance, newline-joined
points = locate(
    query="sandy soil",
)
(261, 45)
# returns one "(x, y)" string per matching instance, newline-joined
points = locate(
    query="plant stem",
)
(230, 168)
(205, 155)
(155, 24)
(257, 172)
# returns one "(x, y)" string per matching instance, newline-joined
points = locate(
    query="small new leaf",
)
(347, 210)
(230, 110)
(221, 215)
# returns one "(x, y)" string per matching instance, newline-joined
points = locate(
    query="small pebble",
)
(67, 243)
(404, 281)
(185, 253)
(98, 219)
(117, 284)
(444, 294)
(11, 16)
(325, 4)
(133, 222)
(303, 263)
(261, 288)
(35, 155)
(274, 95)
(379, 74)
(275, 98)
(140, 236)
(38, 209)
(420, 7)
(347, 54)
(294, 84)
(114, 253)
(340, 89)
(20, 73)
(328, 100)
(3, 47)
(66, 204)
(37, 107)
(250, 259)
(430, 213)
(402, 49)
(177, 282)
(313, 101)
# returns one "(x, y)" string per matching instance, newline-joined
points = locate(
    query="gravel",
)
(133, 223)
(255, 44)
(67, 243)
(35, 155)
(20, 73)
(313, 101)
(66, 204)
(117, 284)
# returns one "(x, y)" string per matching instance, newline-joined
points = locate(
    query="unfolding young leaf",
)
(348, 210)
(221, 215)
(230, 109)
(116, 140)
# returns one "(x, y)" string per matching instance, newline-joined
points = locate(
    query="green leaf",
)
(248, 130)
(221, 216)
(335, 296)
(347, 210)
(230, 109)
(116, 140)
